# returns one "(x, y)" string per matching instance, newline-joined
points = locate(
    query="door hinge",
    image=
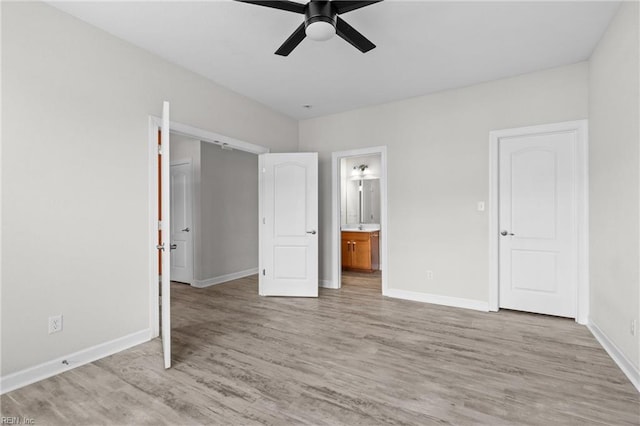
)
(159, 225)
(159, 149)
(264, 272)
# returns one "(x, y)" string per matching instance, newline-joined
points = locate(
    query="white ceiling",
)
(422, 47)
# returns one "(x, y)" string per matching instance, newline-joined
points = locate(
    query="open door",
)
(288, 246)
(165, 244)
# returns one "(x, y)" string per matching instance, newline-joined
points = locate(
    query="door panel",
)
(181, 223)
(538, 269)
(361, 254)
(165, 178)
(288, 225)
(290, 199)
(534, 188)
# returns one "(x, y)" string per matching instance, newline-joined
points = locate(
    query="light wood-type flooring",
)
(350, 357)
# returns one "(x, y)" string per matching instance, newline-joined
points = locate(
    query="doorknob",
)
(505, 233)
(186, 230)
(173, 246)
(312, 232)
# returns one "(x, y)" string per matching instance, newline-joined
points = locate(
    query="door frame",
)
(580, 213)
(336, 252)
(188, 162)
(155, 123)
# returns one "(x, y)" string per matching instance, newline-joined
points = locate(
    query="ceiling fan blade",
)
(348, 6)
(351, 35)
(293, 41)
(289, 6)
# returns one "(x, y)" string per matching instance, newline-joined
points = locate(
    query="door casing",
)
(336, 244)
(580, 156)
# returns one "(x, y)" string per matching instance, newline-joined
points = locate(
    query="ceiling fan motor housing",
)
(318, 16)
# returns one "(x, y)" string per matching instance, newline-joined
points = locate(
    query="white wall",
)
(75, 200)
(438, 168)
(614, 138)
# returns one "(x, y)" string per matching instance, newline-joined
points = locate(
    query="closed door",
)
(181, 223)
(538, 234)
(288, 246)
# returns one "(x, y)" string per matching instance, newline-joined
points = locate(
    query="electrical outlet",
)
(633, 327)
(55, 324)
(429, 275)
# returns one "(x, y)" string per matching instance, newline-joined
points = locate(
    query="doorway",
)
(538, 220)
(359, 218)
(225, 142)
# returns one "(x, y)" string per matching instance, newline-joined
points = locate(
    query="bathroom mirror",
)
(363, 201)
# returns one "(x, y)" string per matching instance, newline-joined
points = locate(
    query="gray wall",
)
(614, 166)
(225, 208)
(75, 176)
(229, 195)
(438, 168)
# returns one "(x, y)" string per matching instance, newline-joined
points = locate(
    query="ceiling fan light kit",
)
(321, 22)
(320, 31)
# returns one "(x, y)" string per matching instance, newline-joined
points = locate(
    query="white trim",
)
(223, 278)
(336, 267)
(631, 371)
(261, 231)
(216, 138)
(582, 221)
(581, 213)
(181, 162)
(51, 368)
(436, 299)
(326, 284)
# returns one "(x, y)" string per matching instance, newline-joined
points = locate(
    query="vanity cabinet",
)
(361, 250)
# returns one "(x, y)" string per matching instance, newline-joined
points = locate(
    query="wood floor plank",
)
(350, 357)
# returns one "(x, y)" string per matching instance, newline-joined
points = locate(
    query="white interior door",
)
(165, 180)
(288, 225)
(538, 233)
(181, 223)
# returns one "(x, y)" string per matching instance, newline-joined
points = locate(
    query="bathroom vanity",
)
(361, 250)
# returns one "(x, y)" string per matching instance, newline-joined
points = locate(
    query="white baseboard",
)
(437, 299)
(631, 371)
(326, 284)
(223, 278)
(51, 368)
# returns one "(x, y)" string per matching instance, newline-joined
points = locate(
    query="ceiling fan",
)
(321, 22)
